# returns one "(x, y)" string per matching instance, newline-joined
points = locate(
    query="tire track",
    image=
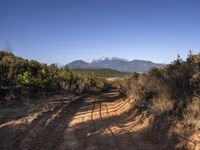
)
(93, 128)
(95, 122)
(121, 130)
(125, 131)
(39, 127)
(38, 124)
(92, 117)
(51, 136)
(126, 117)
(86, 113)
(113, 118)
(80, 131)
(109, 129)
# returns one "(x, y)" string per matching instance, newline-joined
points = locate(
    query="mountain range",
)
(116, 63)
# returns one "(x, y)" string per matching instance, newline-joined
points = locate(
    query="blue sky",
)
(64, 30)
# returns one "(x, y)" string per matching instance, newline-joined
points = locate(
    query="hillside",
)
(151, 111)
(171, 95)
(118, 64)
(19, 76)
(101, 72)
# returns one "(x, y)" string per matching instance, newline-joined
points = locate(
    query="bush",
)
(191, 114)
(39, 77)
(170, 92)
(161, 105)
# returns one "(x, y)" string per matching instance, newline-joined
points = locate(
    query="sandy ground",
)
(94, 122)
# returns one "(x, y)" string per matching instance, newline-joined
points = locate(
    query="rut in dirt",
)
(92, 122)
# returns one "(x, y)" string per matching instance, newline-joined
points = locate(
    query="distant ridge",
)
(116, 63)
(78, 64)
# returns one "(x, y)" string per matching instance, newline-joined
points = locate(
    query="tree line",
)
(35, 76)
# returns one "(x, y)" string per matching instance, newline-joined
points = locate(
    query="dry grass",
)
(161, 105)
(192, 113)
(170, 92)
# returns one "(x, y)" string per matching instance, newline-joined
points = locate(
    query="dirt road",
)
(96, 122)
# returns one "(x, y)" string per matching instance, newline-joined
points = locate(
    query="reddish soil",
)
(95, 122)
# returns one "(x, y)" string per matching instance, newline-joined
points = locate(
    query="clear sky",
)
(64, 30)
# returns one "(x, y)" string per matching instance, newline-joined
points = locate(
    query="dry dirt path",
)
(95, 122)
